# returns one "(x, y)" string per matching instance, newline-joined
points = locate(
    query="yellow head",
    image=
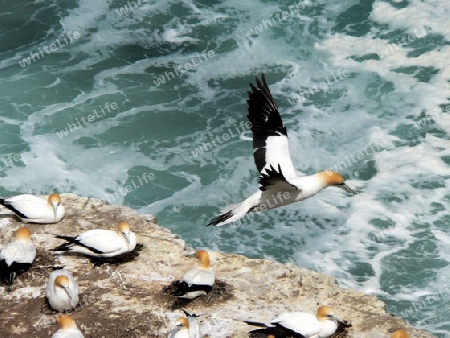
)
(62, 281)
(66, 322)
(123, 227)
(183, 323)
(203, 256)
(54, 200)
(332, 178)
(23, 234)
(400, 334)
(324, 312)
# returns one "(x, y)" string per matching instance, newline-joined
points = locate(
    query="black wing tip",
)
(182, 288)
(65, 246)
(258, 324)
(73, 241)
(66, 238)
(62, 247)
(187, 314)
(221, 218)
(258, 81)
(260, 84)
(9, 273)
(270, 173)
(10, 207)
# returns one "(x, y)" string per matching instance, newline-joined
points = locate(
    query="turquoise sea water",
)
(143, 103)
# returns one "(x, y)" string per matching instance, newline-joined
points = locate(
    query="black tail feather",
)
(8, 274)
(73, 241)
(187, 314)
(65, 246)
(70, 239)
(255, 323)
(10, 207)
(182, 288)
(276, 331)
(221, 218)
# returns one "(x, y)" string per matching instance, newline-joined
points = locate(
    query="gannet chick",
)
(100, 243)
(300, 324)
(198, 281)
(180, 330)
(17, 256)
(68, 328)
(34, 209)
(62, 290)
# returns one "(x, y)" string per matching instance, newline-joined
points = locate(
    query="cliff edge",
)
(127, 299)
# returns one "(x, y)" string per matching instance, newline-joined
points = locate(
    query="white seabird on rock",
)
(100, 243)
(279, 184)
(34, 209)
(300, 324)
(68, 328)
(17, 256)
(198, 281)
(62, 290)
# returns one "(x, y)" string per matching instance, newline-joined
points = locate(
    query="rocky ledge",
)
(127, 299)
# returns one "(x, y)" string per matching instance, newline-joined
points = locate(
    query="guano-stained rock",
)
(127, 299)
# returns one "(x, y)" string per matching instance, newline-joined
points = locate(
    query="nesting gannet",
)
(34, 209)
(279, 184)
(194, 325)
(400, 334)
(100, 243)
(62, 290)
(180, 330)
(300, 324)
(17, 256)
(68, 328)
(198, 281)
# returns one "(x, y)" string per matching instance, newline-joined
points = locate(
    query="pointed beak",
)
(346, 188)
(339, 319)
(54, 207)
(336, 318)
(127, 237)
(66, 289)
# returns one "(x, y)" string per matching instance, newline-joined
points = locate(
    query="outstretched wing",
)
(269, 134)
(273, 179)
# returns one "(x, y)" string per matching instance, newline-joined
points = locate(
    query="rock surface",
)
(127, 299)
